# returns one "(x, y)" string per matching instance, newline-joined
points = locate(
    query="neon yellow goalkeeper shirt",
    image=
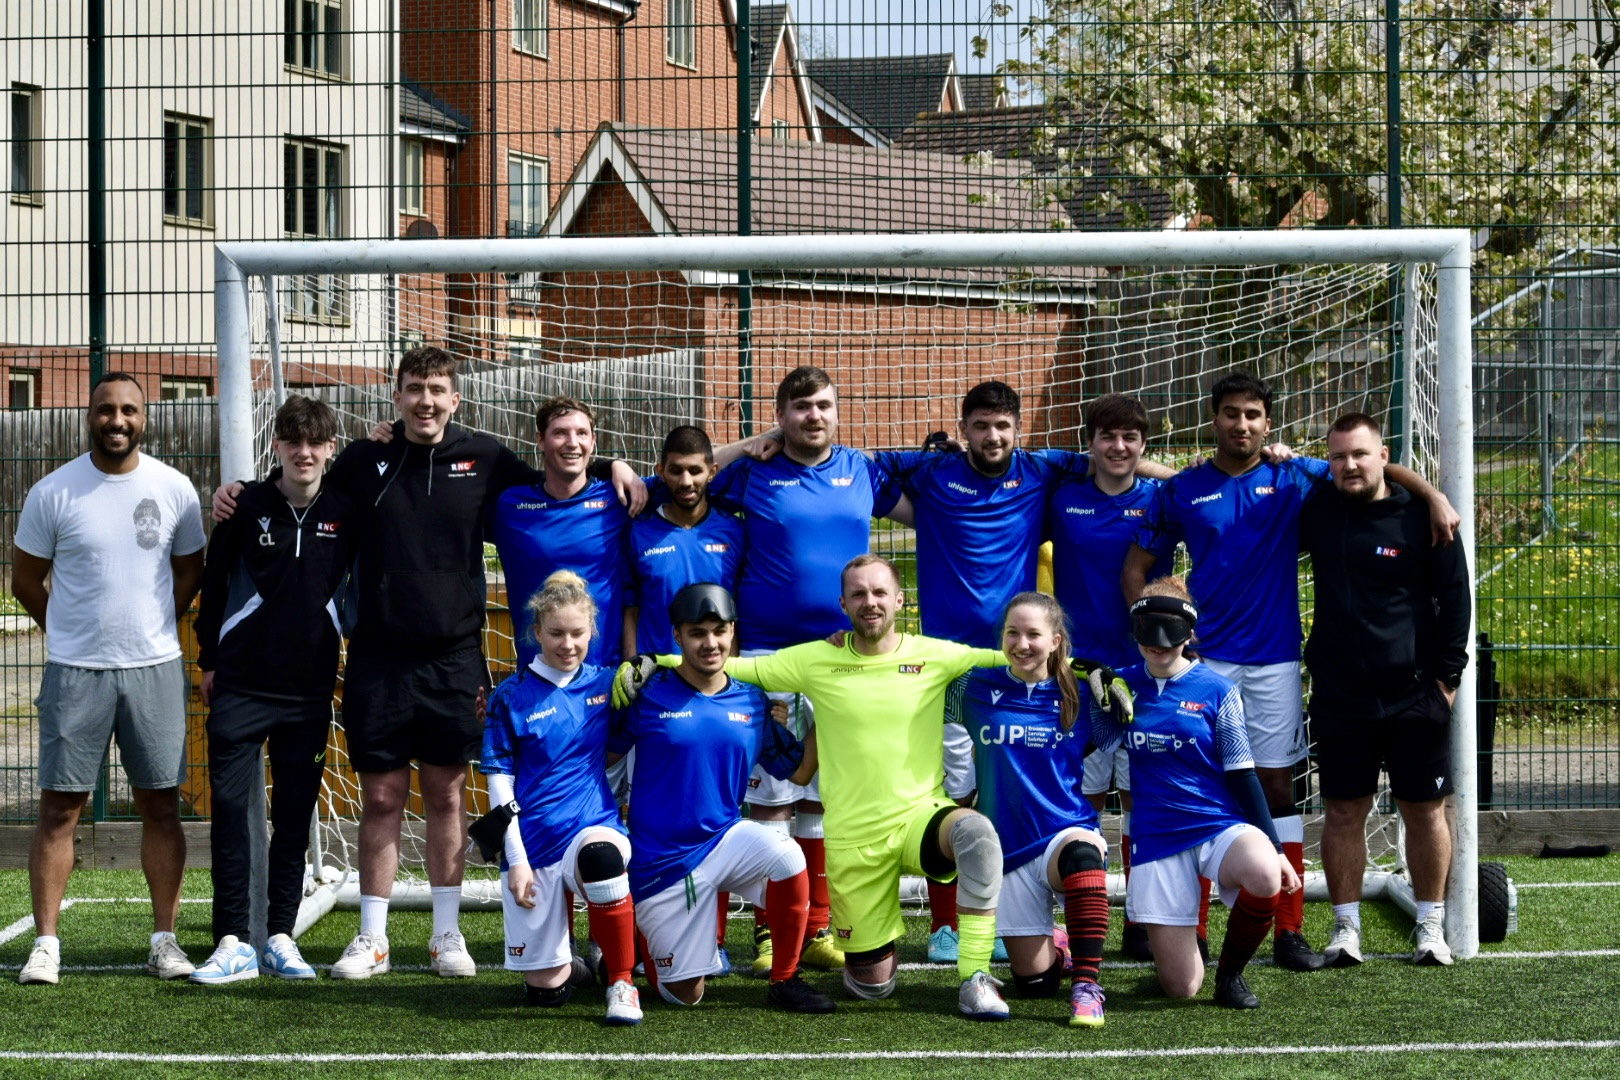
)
(879, 724)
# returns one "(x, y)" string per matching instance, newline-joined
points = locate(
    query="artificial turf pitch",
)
(1545, 1002)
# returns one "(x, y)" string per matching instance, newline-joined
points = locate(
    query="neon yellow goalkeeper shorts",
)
(863, 882)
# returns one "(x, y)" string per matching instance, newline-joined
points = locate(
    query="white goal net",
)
(903, 337)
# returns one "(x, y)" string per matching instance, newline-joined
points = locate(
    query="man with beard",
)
(1239, 518)
(120, 537)
(880, 700)
(1387, 651)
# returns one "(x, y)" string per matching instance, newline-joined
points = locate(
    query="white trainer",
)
(167, 960)
(980, 998)
(44, 965)
(1344, 948)
(449, 956)
(366, 955)
(623, 1004)
(1431, 941)
(233, 961)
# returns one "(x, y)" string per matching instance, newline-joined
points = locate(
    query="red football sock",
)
(648, 964)
(1246, 928)
(1203, 908)
(1085, 914)
(815, 861)
(613, 928)
(722, 910)
(1291, 906)
(941, 904)
(788, 901)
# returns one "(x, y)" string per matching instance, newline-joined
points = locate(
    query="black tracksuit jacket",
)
(1392, 608)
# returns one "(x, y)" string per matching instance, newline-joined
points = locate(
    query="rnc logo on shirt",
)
(842, 481)
(1387, 552)
(715, 549)
(594, 504)
(599, 699)
(1264, 489)
(463, 466)
(1135, 511)
(739, 717)
(1009, 484)
(912, 669)
(326, 528)
(515, 950)
(665, 961)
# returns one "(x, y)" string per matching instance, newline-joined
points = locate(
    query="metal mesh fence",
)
(141, 133)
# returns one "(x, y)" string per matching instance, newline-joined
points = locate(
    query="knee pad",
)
(978, 861)
(807, 826)
(868, 991)
(547, 997)
(602, 876)
(664, 993)
(1077, 856)
(1046, 984)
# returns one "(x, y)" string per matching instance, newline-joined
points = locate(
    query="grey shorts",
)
(82, 709)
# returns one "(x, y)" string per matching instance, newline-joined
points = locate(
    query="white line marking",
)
(848, 1055)
(134, 900)
(26, 923)
(1522, 885)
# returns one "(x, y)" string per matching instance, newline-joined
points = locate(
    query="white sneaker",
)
(1431, 941)
(1344, 948)
(282, 959)
(167, 960)
(450, 958)
(980, 998)
(623, 1004)
(233, 960)
(44, 965)
(367, 955)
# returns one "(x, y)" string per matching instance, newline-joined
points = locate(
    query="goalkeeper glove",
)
(489, 831)
(1108, 690)
(632, 677)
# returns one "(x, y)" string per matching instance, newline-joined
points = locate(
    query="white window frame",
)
(184, 387)
(193, 137)
(30, 156)
(314, 37)
(28, 377)
(680, 35)
(315, 297)
(413, 176)
(536, 174)
(781, 129)
(531, 27)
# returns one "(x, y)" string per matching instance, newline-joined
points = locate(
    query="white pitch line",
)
(26, 923)
(1521, 886)
(134, 900)
(847, 1055)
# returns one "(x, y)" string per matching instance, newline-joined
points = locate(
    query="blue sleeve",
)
(1244, 784)
(621, 737)
(1072, 464)
(1232, 733)
(1317, 469)
(780, 752)
(1158, 532)
(730, 484)
(886, 488)
(499, 754)
(1105, 732)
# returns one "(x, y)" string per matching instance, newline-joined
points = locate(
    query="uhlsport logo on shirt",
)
(912, 669)
(1206, 498)
(665, 550)
(963, 488)
(1084, 511)
(784, 483)
(674, 714)
(1387, 552)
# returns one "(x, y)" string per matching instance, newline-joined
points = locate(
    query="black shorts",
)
(1413, 744)
(396, 710)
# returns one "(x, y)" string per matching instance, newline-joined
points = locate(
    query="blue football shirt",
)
(978, 537)
(665, 558)
(1028, 767)
(552, 741)
(1185, 738)
(1091, 532)
(537, 535)
(1242, 534)
(801, 524)
(694, 753)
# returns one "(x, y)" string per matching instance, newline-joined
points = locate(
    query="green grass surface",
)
(1386, 1003)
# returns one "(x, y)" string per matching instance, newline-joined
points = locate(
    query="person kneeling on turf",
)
(706, 731)
(545, 740)
(1199, 809)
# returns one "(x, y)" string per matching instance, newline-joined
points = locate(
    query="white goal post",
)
(239, 265)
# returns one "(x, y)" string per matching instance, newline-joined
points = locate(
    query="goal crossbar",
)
(1448, 250)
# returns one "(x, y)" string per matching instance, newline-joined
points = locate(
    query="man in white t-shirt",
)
(120, 537)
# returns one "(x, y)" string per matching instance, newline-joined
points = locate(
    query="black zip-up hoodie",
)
(1392, 608)
(418, 582)
(267, 622)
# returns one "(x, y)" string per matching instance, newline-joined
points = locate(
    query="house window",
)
(314, 36)
(530, 19)
(528, 194)
(412, 174)
(23, 389)
(180, 389)
(312, 209)
(680, 36)
(187, 170)
(780, 129)
(27, 132)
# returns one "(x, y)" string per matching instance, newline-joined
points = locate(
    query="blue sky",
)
(903, 27)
